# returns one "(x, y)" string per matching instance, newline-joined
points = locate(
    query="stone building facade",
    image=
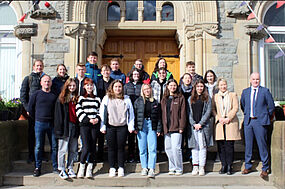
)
(214, 34)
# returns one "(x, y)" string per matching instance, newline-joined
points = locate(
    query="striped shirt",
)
(87, 108)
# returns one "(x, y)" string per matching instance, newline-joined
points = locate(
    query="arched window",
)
(149, 13)
(114, 12)
(167, 13)
(131, 10)
(274, 68)
(10, 54)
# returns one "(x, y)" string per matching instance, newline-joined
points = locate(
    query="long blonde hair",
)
(151, 99)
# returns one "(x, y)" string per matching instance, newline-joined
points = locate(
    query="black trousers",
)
(101, 140)
(31, 138)
(89, 136)
(226, 151)
(132, 146)
(116, 141)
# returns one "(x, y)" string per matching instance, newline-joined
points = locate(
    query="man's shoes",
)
(246, 171)
(264, 175)
(230, 170)
(37, 172)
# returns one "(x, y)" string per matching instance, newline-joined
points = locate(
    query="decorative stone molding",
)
(199, 33)
(49, 13)
(238, 11)
(211, 29)
(190, 35)
(25, 30)
(252, 31)
(102, 38)
(71, 28)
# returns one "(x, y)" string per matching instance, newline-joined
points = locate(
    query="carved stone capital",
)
(190, 35)
(254, 33)
(238, 11)
(70, 29)
(25, 30)
(199, 33)
(211, 29)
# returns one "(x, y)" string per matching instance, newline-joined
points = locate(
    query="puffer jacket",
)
(30, 84)
(145, 77)
(132, 90)
(118, 75)
(93, 72)
(155, 115)
(57, 84)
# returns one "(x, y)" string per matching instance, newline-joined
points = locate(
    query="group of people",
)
(152, 113)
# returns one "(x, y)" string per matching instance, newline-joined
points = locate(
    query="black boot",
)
(230, 171)
(223, 170)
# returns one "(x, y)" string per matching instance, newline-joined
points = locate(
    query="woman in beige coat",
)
(225, 108)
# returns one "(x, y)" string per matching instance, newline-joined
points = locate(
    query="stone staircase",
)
(22, 176)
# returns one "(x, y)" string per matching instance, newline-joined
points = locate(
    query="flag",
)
(167, 14)
(260, 27)
(279, 4)
(109, 1)
(279, 54)
(269, 40)
(47, 4)
(251, 16)
(23, 18)
(242, 4)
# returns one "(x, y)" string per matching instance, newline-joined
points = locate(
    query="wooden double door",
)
(149, 49)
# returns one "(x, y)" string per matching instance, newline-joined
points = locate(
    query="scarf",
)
(211, 88)
(186, 89)
(224, 103)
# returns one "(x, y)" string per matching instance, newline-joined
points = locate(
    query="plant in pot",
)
(3, 111)
(14, 106)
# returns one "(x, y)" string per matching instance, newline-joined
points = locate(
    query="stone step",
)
(162, 167)
(136, 180)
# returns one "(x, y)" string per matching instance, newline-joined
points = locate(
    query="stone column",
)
(24, 32)
(123, 14)
(82, 44)
(158, 14)
(140, 14)
(190, 47)
(199, 52)
(255, 36)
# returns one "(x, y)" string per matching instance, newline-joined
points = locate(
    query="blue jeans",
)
(147, 141)
(41, 128)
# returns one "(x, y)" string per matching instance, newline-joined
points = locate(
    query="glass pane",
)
(275, 17)
(7, 15)
(149, 12)
(275, 70)
(131, 10)
(114, 12)
(167, 13)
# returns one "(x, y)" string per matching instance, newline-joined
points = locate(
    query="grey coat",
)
(205, 122)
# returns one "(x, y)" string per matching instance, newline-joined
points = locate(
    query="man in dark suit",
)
(258, 106)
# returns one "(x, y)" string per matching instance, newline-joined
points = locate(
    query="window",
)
(149, 13)
(10, 63)
(131, 10)
(167, 13)
(114, 13)
(274, 67)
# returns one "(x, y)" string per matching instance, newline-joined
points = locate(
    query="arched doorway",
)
(148, 48)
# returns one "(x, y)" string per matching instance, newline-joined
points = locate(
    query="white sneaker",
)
(178, 173)
(81, 170)
(112, 172)
(89, 170)
(144, 172)
(151, 173)
(171, 172)
(121, 172)
(201, 171)
(71, 173)
(195, 170)
(63, 175)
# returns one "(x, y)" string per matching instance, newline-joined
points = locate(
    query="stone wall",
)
(13, 139)
(278, 154)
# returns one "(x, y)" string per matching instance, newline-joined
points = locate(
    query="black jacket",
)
(132, 90)
(81, 90)
(30, 84)
(155, 115)
(61, 121)
(57, 84)
(101, 88)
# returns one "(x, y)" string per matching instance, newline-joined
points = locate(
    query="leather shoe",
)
(223, 170)
(245, 171)
(264, 175)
